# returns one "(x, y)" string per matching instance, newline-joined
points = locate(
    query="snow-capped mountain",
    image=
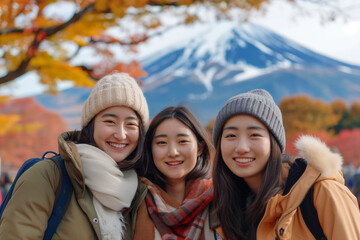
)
(226, 58)
(202, 69)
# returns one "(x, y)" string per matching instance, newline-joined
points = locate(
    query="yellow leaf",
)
(135, 3)
(101, 6)
(4, 99)
(7, 121)
(26, 128)
(79, 40)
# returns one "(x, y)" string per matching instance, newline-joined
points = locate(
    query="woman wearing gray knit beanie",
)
(257, 196)
(100, 161)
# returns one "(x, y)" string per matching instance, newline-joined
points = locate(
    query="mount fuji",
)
(204, 68)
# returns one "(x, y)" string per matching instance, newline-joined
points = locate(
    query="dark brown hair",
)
(86, 135)
(182, 114)
(238, 209)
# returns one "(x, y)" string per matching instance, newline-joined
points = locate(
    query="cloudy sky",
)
(306, 24)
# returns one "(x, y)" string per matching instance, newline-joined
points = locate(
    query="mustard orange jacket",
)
(337, 207)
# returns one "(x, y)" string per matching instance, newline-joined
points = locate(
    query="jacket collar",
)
(318, 155)
(69, 153)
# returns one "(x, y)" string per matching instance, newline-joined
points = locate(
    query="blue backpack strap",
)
(63, 195)
(29, 163)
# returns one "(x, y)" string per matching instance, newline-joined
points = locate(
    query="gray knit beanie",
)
(257, 103)
(117, 89)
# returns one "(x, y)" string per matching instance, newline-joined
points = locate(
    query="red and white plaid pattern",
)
(185, 221)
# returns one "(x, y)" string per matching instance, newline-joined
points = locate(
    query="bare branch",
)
(22, 68)
(53, 29)
(16, 73)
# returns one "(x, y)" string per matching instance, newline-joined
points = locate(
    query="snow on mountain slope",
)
(204, 65)
(217, 61)
(226, 49)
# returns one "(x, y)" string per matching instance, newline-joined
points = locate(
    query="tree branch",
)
(53, 29)
(43, 33)
(46, 32)
(16, 73)
(166, 2)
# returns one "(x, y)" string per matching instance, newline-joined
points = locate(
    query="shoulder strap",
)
(63, 194)
(310, 215)
(29, 163)
(307, 207)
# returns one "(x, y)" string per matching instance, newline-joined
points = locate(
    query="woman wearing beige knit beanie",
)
(100, 160)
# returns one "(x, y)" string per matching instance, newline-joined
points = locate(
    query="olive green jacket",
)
(30, 207)
(131, 214)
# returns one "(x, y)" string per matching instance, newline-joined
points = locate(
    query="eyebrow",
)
(165, 135)
(116, 116)
(248, 128)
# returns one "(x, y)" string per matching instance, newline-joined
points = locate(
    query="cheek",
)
(226, 149)
(134, 136)
(265, 148)
(98, 135)
(157, 153)
(194, 155)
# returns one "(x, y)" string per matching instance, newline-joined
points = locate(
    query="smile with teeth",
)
(244, 160)
(174, 163)
(117, 145)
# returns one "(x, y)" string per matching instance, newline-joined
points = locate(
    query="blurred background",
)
(198, 54)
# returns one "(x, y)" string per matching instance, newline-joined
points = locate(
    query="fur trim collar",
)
(318, 154)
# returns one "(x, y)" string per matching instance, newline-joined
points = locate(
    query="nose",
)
(120, 133)
(172, 150)
(242, 146)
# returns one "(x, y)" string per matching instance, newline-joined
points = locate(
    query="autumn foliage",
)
(334, 123)
(346, 143)
(304, 114)
(32, 131)
(31, 39)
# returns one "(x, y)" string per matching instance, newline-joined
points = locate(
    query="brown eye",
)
(230, 135)
(160, 143)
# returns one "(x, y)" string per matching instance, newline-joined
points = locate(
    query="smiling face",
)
(116, 131)
(245, 148)
(175, 150)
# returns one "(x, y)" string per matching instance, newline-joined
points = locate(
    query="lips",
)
(117, 145)
(244, 160)
(174, 163)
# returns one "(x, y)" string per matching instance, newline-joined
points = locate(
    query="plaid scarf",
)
(175, 221)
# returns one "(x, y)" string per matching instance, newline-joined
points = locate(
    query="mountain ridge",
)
(226, 59)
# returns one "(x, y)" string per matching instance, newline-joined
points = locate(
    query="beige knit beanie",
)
(117, 89)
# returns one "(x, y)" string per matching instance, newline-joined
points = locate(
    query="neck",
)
(176, 190)
(254, 182)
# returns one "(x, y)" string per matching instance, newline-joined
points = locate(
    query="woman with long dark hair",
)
(100, 160)
(256, 195)
(176, 169)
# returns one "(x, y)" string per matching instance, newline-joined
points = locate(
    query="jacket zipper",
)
(277, 226)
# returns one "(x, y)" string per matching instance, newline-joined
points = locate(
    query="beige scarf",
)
(112, 189)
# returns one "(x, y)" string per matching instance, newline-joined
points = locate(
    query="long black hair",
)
(237, 208)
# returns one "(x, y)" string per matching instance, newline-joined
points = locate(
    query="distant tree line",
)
(302, 113)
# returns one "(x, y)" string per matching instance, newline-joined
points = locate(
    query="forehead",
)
(117, 111)
(172, 126)
(243, 120)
